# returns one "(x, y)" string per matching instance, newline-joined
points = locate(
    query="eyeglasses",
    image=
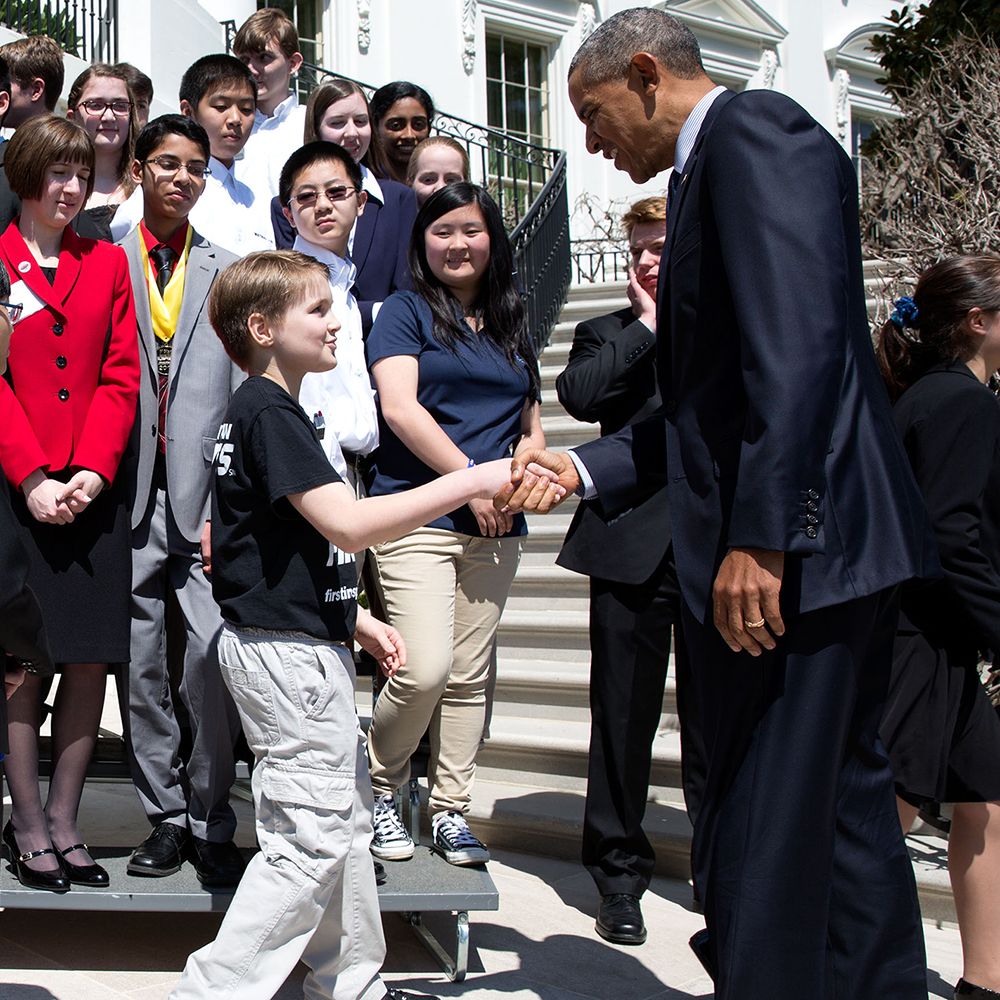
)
(95, 106)
(170, 165)
(333, 194)
(14, 310)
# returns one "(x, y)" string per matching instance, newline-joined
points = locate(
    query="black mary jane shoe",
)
(51, 881)
(93, 874)
(966, 991)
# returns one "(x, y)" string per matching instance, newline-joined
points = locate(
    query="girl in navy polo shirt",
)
(457, 384)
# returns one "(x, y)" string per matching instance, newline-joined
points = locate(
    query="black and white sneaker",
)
(391, 842)
(454, 841)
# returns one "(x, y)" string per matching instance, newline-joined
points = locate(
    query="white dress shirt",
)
(228, 215)
(271, 142)
(344, 396)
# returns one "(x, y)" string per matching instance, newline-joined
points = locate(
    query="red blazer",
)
(73, 369)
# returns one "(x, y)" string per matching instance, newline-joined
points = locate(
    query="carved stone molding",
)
(469, 36)
(586, 19)
(768, 69)
(364, 25)
(842, 81)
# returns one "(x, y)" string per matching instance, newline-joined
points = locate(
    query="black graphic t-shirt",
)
(271, 568)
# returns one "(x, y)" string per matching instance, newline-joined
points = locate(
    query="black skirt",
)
(81, 574)
(939, 727)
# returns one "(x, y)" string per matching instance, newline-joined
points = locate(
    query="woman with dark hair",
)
(457, 384)
(102, 101)
(338, 112)
(402, 114)
(938, 352)
(67, 409)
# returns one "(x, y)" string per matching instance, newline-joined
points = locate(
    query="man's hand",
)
(531, 475)
(206, 549)
(746, 592)
(381, 640)
(643, 304)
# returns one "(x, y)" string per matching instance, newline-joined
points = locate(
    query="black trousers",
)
(630, 628)
(798, 853)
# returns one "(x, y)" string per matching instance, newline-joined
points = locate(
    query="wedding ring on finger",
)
(750, 624)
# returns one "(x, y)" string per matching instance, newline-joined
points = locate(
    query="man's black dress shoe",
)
(52, 881)
(402, 995)
(379, 873)
(619, 919)
(161, 853)
(92, 874)
(699, 945)
(967, 990)
(217, 865)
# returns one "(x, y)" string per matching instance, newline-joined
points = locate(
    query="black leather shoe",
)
(161, 853)
(92, 874)
(402, 995)
(699, 945)
(52, 881)
(619, 919)
(964, 989)
(380, 875)
(217, 865)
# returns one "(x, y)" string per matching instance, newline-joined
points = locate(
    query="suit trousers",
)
(310, 893)
(192, 792)
(445, 592)
(798, 854)
(630, 626)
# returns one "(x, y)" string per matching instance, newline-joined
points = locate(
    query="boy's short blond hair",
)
(268, 282)
(260, 27)
(644, 210)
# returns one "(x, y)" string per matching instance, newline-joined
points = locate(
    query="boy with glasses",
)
(186, 386)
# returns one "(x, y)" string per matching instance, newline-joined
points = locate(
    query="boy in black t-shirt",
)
(290, 603)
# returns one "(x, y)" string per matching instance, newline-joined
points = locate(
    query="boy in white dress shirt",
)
(321, 195)
(268, 45)
(220, 94)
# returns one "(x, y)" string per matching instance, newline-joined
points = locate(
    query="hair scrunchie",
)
(905, 312)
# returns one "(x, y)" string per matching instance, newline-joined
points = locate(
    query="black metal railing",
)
(87, 29)
(599, 260)
(529, 184)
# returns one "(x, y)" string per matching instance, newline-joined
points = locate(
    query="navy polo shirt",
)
(471, 390)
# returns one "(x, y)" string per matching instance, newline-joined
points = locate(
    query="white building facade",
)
(503, 62)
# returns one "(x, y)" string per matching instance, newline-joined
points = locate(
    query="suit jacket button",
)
(813, 495)
(812, 519)
(57, 329)
(153, 430)
(811, 532)
(672, 406)
(60, 362)
(64, 394)
(812, 505)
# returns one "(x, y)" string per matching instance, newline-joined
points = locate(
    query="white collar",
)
(281, 112)
(220, 172)
(342, 271)
(369, 184)
(688, 135)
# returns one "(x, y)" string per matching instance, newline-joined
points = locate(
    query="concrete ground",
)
(540, 944)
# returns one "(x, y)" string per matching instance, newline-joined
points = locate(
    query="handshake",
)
(539, 482)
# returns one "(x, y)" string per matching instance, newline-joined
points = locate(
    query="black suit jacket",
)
(10, 204)
(950, 425)
(778, 429)
(381, 242)
(611, 378)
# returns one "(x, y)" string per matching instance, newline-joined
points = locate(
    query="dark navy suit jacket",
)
(381, 240)
(778, 431)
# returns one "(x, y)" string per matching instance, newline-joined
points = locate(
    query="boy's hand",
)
(381, 640)
(206, 549)
(497, 477)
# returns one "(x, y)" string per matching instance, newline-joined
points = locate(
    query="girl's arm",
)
(532, 435)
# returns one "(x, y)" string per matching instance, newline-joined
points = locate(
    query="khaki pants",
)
(445, 592)
(310, 893)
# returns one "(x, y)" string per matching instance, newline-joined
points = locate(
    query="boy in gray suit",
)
(185, 390)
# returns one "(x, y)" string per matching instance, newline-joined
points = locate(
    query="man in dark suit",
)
(794, 516)
(634, 596)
